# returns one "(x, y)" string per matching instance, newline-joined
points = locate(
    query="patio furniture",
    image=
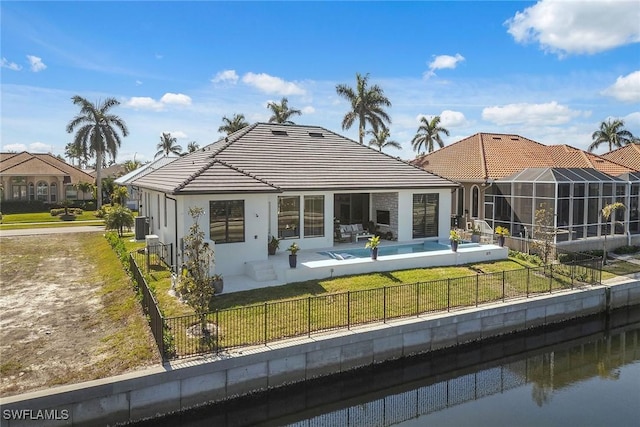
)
(359, 233)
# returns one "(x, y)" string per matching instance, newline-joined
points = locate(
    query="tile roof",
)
(274, 157)
(40, 164)
(493, 156)
(629, 156)
(144, 169)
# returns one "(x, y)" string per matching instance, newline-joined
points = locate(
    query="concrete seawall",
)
(183, 384)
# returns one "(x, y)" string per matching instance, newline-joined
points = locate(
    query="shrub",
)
(626, 250)
(117, 218)
(532, 259)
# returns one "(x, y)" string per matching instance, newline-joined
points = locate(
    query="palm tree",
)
(97, 133)
(233, 124)
(72, 151)
(367, 106)
(192, 146)
(84, 188)
(428, 133)
(612, 133)
(606, 213)
(131, 165)
(282, 112)
(380, 140)
(167, 145)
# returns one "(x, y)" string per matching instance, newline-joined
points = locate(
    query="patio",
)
(314, 265)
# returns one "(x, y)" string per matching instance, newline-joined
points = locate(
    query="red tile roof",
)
(494, 156)
(629, 156)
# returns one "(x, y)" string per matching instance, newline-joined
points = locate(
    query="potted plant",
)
(501, 232)
(273, 245)
(454, 239)
(373, 244)
(218, 283)
(293, 257)
(475, 234)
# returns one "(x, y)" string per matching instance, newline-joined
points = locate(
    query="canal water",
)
(579, 373)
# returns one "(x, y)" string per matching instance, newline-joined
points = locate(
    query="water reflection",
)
(550, 362)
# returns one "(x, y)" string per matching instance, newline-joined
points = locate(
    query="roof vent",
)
(513, 138)
(316, 134)
(279, 132)
(497, 138)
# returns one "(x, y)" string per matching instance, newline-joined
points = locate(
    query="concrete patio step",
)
(261, 271)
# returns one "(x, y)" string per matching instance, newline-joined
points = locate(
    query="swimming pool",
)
(407, 248)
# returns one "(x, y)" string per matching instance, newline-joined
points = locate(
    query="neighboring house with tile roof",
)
(482, 158)
(629, 156)
(37, 176)
(128, 178)
(293, 182)
(504, 178)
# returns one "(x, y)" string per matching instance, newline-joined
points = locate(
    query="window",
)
(53, 189)
(226, 221)
(425, 215)
(289, 217)
(70, 192)
(475, 202)
(383, 217)
(42, 191)
(313, 216)
(32, 191)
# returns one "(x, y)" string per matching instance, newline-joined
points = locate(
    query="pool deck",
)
(314, 265)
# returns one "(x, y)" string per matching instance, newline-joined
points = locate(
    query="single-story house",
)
(628, 155)
(126, 180)
(297, 183)
(38, 176)
(505, 178)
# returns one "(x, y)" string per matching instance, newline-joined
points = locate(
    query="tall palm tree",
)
(192, 146)
(281, 112)
(367, 106)
(428, 133)
(612, 133)
(72, 151)
(131, 165)
(97, 133)
(233, 124)
(168, 145)
(380, 140)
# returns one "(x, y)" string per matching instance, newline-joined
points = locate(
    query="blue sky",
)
(550, 71)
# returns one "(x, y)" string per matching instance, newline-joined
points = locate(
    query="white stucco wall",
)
(261, 220)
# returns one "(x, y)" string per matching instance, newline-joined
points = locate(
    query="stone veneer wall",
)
(386, 202)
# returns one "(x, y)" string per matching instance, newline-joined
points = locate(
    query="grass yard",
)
(256, 316)
(21, 218)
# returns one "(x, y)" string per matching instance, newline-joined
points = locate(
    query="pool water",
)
(407, 248)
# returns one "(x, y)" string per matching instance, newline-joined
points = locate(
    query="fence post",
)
(217, 332)
(348, 309)
(417, 299)
(528, 278)
(550, 277)
(309, 315)
(477, 287)
(265, 323)
(448, 294)
(384, 304)
(503, 292)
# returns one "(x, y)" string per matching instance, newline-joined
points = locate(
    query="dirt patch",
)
(54, 322)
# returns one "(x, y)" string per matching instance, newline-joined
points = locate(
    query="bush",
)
(117, 218)
(24, 206)
(89, 206)
(531, 259)
(626, 250)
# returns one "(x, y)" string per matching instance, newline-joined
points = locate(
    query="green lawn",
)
(21, 218)
(251, 317)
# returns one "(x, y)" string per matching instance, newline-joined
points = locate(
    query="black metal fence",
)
(154, 257)
(271, 321)
(149, 305)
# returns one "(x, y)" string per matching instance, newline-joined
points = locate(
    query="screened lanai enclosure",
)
(572, 200)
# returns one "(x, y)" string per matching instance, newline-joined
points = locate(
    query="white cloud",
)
(148, 103)
(632, 119)
(441, 62)
(577, 27)
(308, 110)
(144, 103)
(271, 84)
(40, 147)
(450, 119)
(138, 83)
(226, 76)
(176, 134)
(36, 63)
(159, 56)
(10, 65)
(626, 88)
(175, 98)
(550, 113)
